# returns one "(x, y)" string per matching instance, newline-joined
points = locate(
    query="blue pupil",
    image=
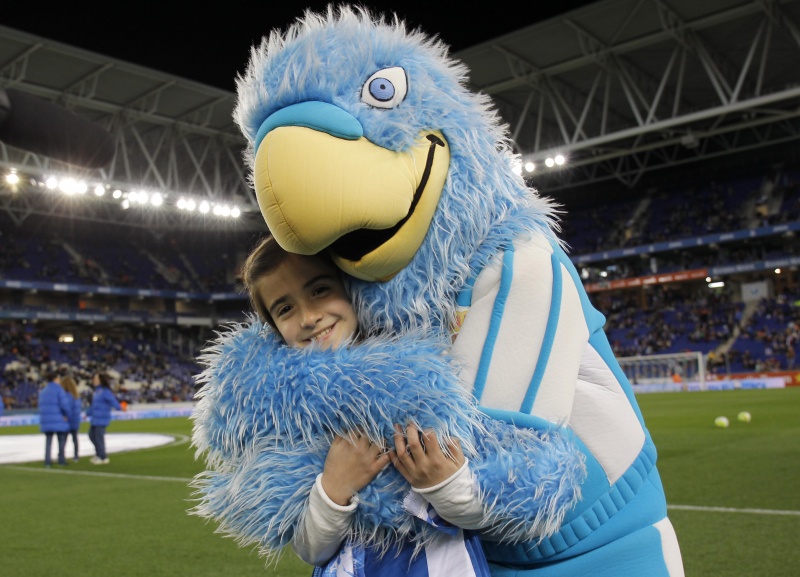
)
(381, 89)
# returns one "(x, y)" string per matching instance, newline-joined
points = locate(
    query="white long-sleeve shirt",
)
(324, 526)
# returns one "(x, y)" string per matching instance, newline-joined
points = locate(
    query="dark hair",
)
(265, 257)
(52, 375)
(105, 381)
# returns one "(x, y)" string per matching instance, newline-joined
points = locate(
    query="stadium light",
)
(549, 162)
(530, 167)
(71, 186)
(559, 160)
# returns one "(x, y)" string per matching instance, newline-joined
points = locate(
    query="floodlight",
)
(549, 162)
(181, 204)
(559, 159)
(190, 204)
(99, 190)
(235, 212)
(68, 186)
(156, 199)
(204, 207)
(117, 193)
(12, 178)
(530, 167)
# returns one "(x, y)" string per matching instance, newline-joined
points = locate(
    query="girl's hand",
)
(352, 463)
(420, 460)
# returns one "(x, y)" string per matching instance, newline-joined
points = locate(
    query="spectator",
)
(103, 400)
(54, 410)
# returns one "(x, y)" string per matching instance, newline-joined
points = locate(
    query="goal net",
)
(668, 369)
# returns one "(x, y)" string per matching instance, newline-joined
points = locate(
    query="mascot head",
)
(365, 142)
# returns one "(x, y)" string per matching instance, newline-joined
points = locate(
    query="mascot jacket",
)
(365, 142)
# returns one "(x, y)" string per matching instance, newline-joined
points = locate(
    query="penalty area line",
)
(732, 510)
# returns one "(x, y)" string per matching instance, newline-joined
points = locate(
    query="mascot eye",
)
(386, 88)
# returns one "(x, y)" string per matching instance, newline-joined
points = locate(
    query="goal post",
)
(666, 369)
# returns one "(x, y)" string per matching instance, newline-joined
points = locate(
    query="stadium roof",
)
(619, 87)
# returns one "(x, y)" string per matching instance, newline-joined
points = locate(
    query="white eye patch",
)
(386, 88)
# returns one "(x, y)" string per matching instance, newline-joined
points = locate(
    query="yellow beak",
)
(369, 206)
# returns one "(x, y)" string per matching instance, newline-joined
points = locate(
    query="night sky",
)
(209, 42)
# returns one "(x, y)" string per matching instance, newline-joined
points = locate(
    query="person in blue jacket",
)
(99, 413)
(71, 387)
(54, 409)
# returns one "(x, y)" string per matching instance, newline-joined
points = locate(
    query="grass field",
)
(734, 496)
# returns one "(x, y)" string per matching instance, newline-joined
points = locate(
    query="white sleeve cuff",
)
(333, 505)
(323, 527)
(457, 500)
(450, 479)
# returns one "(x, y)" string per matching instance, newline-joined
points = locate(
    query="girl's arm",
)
(351, 465)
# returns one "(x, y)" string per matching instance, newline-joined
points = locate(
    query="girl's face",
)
(96, 380)
(306, 299)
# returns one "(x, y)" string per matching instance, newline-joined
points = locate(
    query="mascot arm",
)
(525, 333)
(267, 413)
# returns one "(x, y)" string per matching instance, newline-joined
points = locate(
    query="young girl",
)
(365, 446)
(99, 413)
(71, 387)
(304, 300)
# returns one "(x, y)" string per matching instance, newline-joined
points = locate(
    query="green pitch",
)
(733, 495)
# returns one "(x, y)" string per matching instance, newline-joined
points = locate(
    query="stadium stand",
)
(151, 299)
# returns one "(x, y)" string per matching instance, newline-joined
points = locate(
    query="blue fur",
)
(483, 207)
(267, 413)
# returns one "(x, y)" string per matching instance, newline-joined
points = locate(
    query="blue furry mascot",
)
(364, 142)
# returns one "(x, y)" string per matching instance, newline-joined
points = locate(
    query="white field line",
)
(61, 471)
(732, 510)
(55, 471)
